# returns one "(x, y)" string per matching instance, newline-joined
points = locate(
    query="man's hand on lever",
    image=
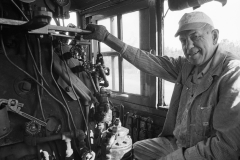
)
(99, 32)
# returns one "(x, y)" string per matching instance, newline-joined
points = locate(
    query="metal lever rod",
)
(114, 94)
(119, 95)
(42, 123)
(15, 107)
(44, 29)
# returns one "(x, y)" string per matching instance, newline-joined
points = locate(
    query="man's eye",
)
(195, 37)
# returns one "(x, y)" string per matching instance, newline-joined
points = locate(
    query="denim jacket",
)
(213, 119)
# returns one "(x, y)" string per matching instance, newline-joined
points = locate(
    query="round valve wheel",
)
(32, 128)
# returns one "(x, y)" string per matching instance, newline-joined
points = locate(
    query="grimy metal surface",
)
(11, 87)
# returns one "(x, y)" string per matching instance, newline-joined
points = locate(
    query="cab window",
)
(130, 35)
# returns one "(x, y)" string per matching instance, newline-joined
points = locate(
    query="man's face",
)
(198, 45)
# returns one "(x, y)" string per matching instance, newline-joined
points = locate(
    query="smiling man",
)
(203, 118)
(198, 38)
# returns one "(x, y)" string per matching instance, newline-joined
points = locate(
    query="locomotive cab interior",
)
(64, 97)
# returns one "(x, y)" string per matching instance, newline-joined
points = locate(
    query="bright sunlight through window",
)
(131, 37)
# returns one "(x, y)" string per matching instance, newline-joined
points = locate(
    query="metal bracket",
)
(43, 30)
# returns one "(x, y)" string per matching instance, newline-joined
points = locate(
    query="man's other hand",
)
(99, 32)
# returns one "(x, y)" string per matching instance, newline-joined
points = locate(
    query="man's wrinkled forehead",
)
(188, 33)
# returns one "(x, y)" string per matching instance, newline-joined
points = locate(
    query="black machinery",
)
(53, 104)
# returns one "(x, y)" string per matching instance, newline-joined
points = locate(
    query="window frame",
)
(147, 82)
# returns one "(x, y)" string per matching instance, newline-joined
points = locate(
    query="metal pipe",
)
(30, 140)
(20, 10)
(159, 30)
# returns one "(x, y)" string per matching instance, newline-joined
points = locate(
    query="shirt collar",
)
(206, 68)
(204, 71)
(216, 64)
(211, 64)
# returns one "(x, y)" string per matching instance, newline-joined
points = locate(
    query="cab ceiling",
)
(173, 4)
(85, 4)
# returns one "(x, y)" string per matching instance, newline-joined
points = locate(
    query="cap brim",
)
(190, 26)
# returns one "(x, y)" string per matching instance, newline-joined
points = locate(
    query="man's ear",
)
(215, 35)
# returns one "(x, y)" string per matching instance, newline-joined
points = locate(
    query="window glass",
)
(131, 36)
(111, 61)
(131, 78)
(225, 18)
(72, 19)
(113, 78)
(114, 28)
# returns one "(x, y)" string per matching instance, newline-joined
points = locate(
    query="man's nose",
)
(189, 45)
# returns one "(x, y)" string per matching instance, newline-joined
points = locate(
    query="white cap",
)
(192, 21)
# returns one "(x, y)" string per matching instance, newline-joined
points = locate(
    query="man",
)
(203, 120)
